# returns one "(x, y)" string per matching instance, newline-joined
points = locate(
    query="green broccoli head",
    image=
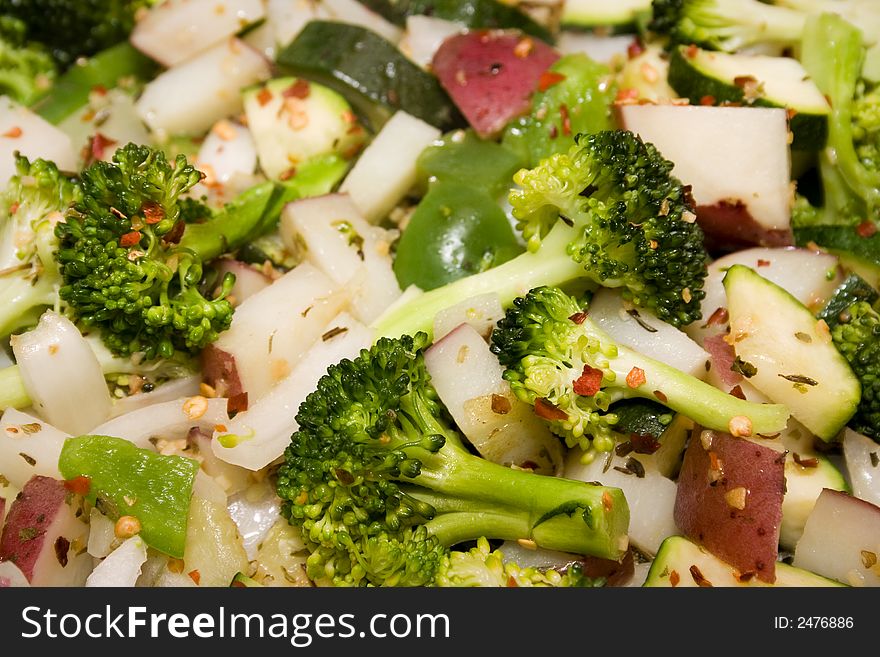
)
(727, 25)
(559, 361)
(857, 337)
(31, 204)
(634, 221)
(382, 486)
(76, 28)
(122, 271)
(27, 70)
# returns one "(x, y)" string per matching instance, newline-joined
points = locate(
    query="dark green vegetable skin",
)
(129, 481)
(472, 13)
(373, 75)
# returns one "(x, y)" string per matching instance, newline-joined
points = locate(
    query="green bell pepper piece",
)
(128, 481)
(456, 230)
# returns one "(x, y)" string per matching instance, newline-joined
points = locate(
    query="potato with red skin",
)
(219, 371)
(491, 75)
(44, 536)
(2, 511)
(729, 500)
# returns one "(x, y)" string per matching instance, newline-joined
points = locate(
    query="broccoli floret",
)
(559, 361)
(481, 566)
(727, 25)
(848, 165)
(607, 211)
(27, 71)
(132, 266)
(31, 204)
(76, 28)
(383, 486)
(857, 337)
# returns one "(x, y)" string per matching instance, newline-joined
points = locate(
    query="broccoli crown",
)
(634, 221)
(122, 271)
(481, 566)
(76, 28)
(726, 25)
(382, 486)
(32, 202)
(866, 125)
(559, 361)
(857, 337)
(26, 68)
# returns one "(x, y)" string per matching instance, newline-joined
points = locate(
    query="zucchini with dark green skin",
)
(618, 15)
(470, 13)
(858, 249)
(852, 290)
(718, 78)
(371, 72)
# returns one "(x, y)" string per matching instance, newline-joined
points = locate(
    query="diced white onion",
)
(122, 567)
(23, 435)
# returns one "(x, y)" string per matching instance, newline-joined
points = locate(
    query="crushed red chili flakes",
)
(707, 100)
(524, 47)
(153, 212)
(511, 583)
(635, 49)
(288, 174)
(627, 94)
(264, 97)
(699, 578)
(236, 404)
(549, 79)
(644, 443)
(659, 395)
(737, 392)
(130, 239)
(548, 411)
(13, 133)
(720, 316)
(866, 229)
(579, 318)
(566, 119)
(195, 576)
(763, 263)
(589, 382)
(674, 578)
(805, 463)
(636, 377)
(79, 485)
(299, 89)
(98, 145)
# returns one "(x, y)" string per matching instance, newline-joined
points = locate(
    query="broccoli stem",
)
(23, 301)
(480, 498)
(549, 265)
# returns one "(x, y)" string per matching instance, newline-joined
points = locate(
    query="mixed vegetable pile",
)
(440, 293)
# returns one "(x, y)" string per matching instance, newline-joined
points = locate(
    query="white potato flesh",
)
(57, 365)
(386, 170)
(258, 436)
(338, 240)
(204, 89)
(643, 332)
(423, 36)
(110, 114)
(651, 498)
(122, 566)
(352, 11)
(482, 312)
(28, 446)
(11, 576)
(288, 17)
(227, 151)
(725, 153)
(862, 458)
(597, 47)
(24, 131)
(503, 429)
(176, 30)
(841, 540)
(272, 329)
(809, 276)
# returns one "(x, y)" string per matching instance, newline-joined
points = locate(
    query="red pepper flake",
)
(288, 174)
(566, 120)
(579, 318)
(173, 236)
(130, 239)
(589, 382)
(237, 404)
(636, 377)
(511, 583)
(763, 263)
(549, 79)
(524, 47)
(707, 100)
(635, 49)
(98, 146)
(195, 576)
(79, 485)
(554, 131)
(607, 501)
(299, 89)
(264, 97)
(99, 90)
(659, 395)
(13, 208)
(674, 578)
(627, 94)
(548, 411)
(720, 316)
(13, 133)
(737, 392)
(691, 51)
(742, 578)
(643, 443)
(866, 229)
(153, 212)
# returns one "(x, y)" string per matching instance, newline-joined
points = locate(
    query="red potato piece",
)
(728, 226)
(2, 511)
(45, 537)
(729, 500)
(491, 75)
(219, 371)
(722, 359)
